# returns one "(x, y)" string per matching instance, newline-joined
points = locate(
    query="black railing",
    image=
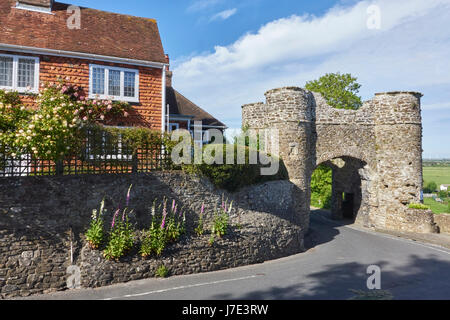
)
(98, 155)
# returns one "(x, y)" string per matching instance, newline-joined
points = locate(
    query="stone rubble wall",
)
(43, 219)
(443, 222)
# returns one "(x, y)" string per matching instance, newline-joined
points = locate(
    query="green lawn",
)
(436, 207)
(440, 175)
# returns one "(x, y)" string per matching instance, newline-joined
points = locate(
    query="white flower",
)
(94, 214)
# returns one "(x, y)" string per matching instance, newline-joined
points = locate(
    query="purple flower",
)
(163, 223)
(128, 196)
(123, 215)
(202, 209)
(114, 218)
(173, 205)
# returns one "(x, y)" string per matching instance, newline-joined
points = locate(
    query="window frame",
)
(106, 95)
(15, 74)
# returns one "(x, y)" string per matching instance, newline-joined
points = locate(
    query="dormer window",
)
(35, 5)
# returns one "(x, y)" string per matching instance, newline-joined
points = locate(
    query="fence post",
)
(59, 167)
(134, 163)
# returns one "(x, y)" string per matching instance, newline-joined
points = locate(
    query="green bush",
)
(95, 233)
(418, 206)
(121, 238)
(233, 177)
(221, 220)
(167, 225)
(431, 187)
(162, 271)
(443, 194)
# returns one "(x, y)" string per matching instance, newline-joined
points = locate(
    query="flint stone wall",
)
(43, 219)
(443, 222)
(380, 144)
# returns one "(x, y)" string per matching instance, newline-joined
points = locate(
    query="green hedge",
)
(233, 177)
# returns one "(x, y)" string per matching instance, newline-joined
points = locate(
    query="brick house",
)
(111, 56)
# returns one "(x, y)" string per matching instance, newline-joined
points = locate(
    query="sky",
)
(226, 53)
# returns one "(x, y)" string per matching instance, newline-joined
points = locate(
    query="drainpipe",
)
(163, 111)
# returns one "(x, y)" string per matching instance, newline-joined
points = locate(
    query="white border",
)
(15, 86)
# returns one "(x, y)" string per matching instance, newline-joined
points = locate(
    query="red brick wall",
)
(145, 114)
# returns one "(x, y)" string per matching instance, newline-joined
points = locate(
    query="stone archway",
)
(382, 141)
(351, 181)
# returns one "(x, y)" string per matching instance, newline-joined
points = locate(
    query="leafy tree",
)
(339, 90)
(431, 187)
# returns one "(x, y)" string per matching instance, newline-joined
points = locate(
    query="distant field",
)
(440, 175)
(436, 207)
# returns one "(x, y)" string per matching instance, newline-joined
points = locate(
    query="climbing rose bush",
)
(54, 129)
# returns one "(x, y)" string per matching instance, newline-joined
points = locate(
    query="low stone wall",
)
(412, 220)
(443, 222)
(43, 219)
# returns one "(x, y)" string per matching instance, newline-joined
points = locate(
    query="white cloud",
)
(410, 52)
(200, 5)
(224, 15)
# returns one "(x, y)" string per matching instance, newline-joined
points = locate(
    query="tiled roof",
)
(180, 105)
(101, 33)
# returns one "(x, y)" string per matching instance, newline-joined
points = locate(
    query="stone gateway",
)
(375, 153)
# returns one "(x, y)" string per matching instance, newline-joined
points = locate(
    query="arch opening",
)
(341, 185)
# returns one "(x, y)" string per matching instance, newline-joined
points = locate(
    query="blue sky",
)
(226, 53)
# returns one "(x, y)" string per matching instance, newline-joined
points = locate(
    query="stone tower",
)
(375, 153)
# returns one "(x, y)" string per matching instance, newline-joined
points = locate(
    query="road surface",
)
(335, 265)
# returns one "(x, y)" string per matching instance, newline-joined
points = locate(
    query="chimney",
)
(45, 4)
(169, 73)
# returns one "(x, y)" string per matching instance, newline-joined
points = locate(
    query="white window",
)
(110, 83)
(19, 73)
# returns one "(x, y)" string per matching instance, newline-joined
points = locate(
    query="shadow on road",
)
(421, 278)
(324, 231)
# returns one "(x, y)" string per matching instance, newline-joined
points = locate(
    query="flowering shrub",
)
(166, 227)
(121, 238)
(12, 116)
(53, 130)
(199, 230)
(221, 219)
(95, 233)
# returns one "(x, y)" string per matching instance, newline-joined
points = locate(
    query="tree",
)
(431, 187)
(321, 185)
(339, 90)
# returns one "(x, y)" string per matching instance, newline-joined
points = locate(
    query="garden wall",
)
(43, 219)
(443, 222)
